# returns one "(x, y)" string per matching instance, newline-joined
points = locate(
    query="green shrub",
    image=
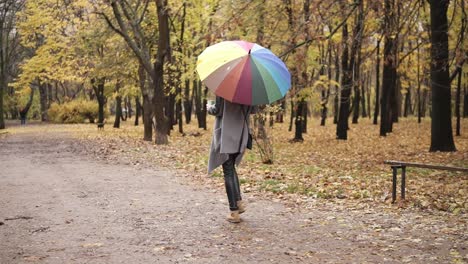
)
(76, 111)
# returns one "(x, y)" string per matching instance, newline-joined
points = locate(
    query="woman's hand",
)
(215, 107)
(210, 107)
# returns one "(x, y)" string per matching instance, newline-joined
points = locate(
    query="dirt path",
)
(60, 205)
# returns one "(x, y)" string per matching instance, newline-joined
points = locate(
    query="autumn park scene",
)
(233, 131)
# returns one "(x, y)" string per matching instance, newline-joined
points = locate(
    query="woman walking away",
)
(231, 136)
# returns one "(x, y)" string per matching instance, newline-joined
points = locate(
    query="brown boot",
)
(241, 206)
(234, 217)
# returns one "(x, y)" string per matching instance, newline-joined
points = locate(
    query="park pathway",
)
(60, 205)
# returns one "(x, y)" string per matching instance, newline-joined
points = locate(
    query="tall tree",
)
(301, 102)
(357, 83)
(348, 58)
(98, 87)
(459, 70)
(118, 105)
(49, 29)
(162, 125)
(129, 16)
(441, 122)
(465, 96)
(389, 68)
(377, 83)
(9, 47)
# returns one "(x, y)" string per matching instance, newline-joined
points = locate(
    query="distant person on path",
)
(23, 116)
(231, 136)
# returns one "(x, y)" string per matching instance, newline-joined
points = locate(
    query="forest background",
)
(371, 80)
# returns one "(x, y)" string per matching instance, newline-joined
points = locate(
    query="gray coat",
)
(230, 132)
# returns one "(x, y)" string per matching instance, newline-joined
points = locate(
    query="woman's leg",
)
(230, 182)
(237, 184)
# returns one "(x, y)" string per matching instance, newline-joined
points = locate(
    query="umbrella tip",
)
(249, 50)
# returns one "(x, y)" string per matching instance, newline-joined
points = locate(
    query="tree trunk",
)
(357, 39)
(43, 101)
(299, 122)
(346, 84)
(3, 81)
(56, 95)
(396, 97)
(3, 65)
(389, 71)
(203, 106)
(419, 85)
(441, 124)
(179, 96)
(137, 110)
(407, 104)
(377, 84)
(197, 101)
(142, 82)
(291, 119)
(13, 110)
(457, 103)
(419, 103)
(200, 104)
(424, 103)
(170, 111)
(460, 68)
(124, 114)
(369, 87)
(336, 98)
(305, 115)
(356, 102)
(118, 107)
(179, 114)
(348, 59)
(50, 97)
(129, 107)
(24, 111)
(162, 126)
(326, 94)
(118, 111)
(363, 97)
(147, 118)
(324, 110)
(101, 99)
(2, 85)
(263, 142)
(170, 108)
(465, 96)
(280, 114)
(188, 102)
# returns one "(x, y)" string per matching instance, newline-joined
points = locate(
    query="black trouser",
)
(231, 181)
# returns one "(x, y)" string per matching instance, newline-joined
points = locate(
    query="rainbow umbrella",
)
(243, 72)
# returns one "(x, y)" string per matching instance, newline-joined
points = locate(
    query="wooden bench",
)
(402, 165)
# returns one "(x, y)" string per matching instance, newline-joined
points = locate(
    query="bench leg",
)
(403, 181)
(394, 181)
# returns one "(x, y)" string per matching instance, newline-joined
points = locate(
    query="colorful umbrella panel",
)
(243, 73)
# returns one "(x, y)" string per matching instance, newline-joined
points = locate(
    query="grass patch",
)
(312, 169)
(272, 185)
(419, 171)
(217, 174)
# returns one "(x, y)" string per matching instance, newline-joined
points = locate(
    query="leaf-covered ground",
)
(64, 200)
(320, 168)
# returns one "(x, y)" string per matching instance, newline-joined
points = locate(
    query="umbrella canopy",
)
(243, 72)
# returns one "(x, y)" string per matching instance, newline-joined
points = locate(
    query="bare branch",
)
(307, 41)
(109, 23)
